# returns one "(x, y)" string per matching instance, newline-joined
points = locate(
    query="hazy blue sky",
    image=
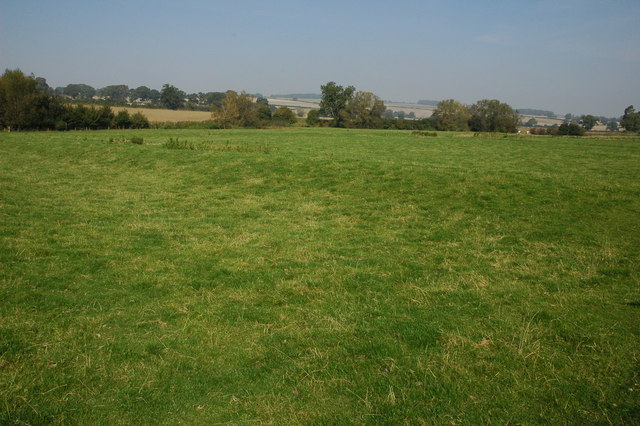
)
(578, 56)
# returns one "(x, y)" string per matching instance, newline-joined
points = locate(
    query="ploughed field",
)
(318, 276)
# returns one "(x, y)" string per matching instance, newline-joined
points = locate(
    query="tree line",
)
(27, 102)
(346, 107)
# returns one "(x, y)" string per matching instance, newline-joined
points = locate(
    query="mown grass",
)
(341, 276)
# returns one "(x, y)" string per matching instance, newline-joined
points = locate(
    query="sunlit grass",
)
(318, 276)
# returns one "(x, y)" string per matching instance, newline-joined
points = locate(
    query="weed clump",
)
(178, 144)
(424, 134)
(122, 140)
(210, 146)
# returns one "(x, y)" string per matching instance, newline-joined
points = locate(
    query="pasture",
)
(318, 276)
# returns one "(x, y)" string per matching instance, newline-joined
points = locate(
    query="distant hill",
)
(429, 103)
(530, 111)
(299, 96)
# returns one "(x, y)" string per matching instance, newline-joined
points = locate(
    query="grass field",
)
(318, 276)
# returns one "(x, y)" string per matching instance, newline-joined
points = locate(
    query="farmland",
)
(318, 276)
(167, 115)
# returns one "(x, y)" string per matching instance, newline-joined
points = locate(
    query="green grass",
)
(318, 276)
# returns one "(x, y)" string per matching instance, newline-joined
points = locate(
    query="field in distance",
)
(319, 276)
(167, 115)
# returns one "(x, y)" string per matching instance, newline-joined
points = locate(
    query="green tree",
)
(139, 121)
(284, 116)
(313, 117)
(493, 116)
(451, 115)
(631, 119)
(122, 120)
(171, 97)
(22, 105)
(334, 100)
(532, 122)
(116, 93)
(588, 121)
(570, 129)
(263, 110)
(363, 110)
(143, 93)
(79, 91)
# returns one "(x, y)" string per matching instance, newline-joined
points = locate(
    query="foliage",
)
(79, 91)
(424, 134)
(139, 121)
(22, 105)
(122, 120)
(144, 94)
(334, 100)
(451, 115)
(570, 129)
(363, 111)
(284, 116)
(493, 116)
(313, 117)
(237, 111)
(116, 93)
(588, 121)
(171, 97)
(631, 119)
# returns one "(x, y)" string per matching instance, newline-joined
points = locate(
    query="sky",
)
(567, 56)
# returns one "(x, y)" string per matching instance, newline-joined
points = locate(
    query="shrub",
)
(570, 129)
(137, 140)
(424, 134)
(139, 121)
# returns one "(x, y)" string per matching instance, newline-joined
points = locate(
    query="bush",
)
(139, 121)
(284, 116)
(424, 134)
(570, 129)
(122, 120)
(313, 117)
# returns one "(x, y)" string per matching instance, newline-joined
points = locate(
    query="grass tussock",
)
(176, 143)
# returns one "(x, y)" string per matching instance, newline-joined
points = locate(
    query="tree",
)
(588, 121)
(363, 110)
(570, 129)
(214, 98)
(313, 117)
(451, 115)
(22, 105)
(334, 100)
(531, 123)
(116, 93)
(139, 121)
(263, 110)
(493, 116)
(143, 93)
(122, 120)
(171, 97)
(284, 116)
(237, 110)
(631, 119)
(612, 126)
(79, 91)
